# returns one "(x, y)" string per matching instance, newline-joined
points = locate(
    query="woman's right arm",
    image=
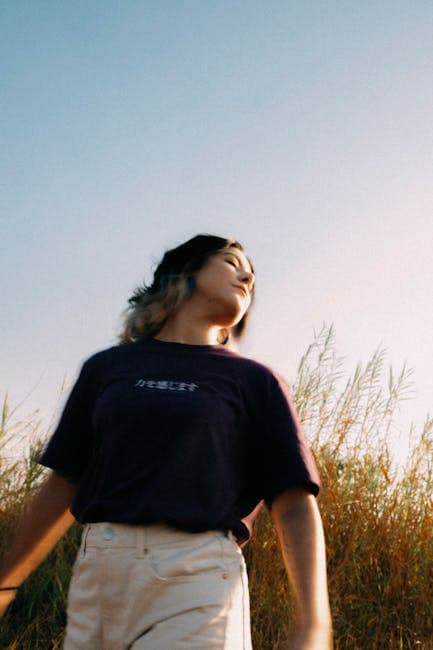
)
(46, 519)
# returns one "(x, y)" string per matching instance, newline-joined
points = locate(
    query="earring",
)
(226, 338)
(190, 284)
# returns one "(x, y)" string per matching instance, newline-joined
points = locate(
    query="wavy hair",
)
(150, 306)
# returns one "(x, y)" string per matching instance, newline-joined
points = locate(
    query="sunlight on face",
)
(225, 284)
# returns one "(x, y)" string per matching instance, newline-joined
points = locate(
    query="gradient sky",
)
(303, 129)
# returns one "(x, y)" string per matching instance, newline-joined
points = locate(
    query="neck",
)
(178, 330)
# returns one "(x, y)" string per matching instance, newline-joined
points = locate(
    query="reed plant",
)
(377, 513)
(377, 516)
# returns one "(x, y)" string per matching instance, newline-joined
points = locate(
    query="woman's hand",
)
(318, 638)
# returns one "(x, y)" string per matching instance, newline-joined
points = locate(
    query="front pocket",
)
(186, 561)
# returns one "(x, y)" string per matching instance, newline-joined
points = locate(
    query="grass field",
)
(378, 519)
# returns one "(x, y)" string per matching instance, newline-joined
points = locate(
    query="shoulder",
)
(259, 372)
(103, 358)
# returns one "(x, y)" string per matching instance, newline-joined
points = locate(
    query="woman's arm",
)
(46, 519)
(300, 534)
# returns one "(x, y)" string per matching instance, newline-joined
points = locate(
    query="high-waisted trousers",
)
(155, 587)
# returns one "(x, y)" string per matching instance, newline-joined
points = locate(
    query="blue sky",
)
(301, 128)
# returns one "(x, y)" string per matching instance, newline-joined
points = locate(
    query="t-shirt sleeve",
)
(70, 448)
(285, 458)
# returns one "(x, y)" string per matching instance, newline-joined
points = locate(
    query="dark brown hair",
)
(151, 306)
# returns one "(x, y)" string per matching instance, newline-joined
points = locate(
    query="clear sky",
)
(304, 129)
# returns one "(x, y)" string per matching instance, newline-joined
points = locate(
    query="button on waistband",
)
(107, 533)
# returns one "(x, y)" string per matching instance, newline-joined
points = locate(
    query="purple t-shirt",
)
(190, 435)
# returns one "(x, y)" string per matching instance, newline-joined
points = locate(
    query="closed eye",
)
(232, 263)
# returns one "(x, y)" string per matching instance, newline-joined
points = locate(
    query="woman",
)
(166, 447)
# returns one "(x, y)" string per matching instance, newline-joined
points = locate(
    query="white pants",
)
(155, 587)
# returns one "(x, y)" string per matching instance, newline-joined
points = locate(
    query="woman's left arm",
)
(300, 533)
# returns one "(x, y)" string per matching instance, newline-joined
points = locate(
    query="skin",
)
(46, 520)
(217, 302)
(300, 534)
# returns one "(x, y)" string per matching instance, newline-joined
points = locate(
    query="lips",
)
(244, 291)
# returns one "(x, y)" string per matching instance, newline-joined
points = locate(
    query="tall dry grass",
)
(377, 516)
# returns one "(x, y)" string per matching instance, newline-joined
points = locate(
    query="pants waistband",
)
(110, 535)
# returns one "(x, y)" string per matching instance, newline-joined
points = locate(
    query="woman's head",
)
(181, 272)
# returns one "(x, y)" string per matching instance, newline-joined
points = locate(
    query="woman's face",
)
(224, 284)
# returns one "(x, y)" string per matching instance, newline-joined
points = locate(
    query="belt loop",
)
(84, 539)
(140, 541)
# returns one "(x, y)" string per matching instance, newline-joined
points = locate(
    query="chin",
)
(230, 314)
(234, 320)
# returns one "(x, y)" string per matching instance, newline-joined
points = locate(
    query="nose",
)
(247, 278)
